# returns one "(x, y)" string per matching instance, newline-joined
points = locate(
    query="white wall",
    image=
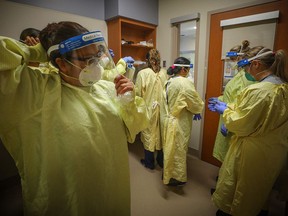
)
(15, 17)
(171, 9)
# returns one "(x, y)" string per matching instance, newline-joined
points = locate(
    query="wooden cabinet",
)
(136, 33)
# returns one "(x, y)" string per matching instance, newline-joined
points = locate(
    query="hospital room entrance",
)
(221, 35)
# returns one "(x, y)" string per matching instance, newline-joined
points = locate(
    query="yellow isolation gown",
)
(258, 150)
(176, 125)
(69, 143)
(232, 90)
(111, 74)
(149, 85)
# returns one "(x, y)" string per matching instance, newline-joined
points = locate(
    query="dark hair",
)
(31, 32)
(55, 33)
(170, 71)
(176, 69)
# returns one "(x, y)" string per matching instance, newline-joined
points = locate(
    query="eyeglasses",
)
(87, 60)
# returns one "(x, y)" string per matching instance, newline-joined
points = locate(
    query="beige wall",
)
(15, 17)
(171, 9)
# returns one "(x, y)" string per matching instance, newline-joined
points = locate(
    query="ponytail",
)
(279, 65)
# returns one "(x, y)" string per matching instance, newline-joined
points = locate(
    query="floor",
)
(148, 194)
(151, 197)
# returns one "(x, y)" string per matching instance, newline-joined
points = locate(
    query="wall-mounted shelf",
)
(135, 32)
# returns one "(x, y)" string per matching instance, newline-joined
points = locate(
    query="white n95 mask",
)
(90, 74)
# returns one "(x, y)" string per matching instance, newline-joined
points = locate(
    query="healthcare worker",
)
(67, 131)
(149, 85)
(181, 102)
(231, 91)
(258, 148)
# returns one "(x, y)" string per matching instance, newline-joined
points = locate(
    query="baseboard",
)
(194, 152)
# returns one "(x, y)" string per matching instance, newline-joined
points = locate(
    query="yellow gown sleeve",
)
(20, 86)
(110, 75)
(135, 117)
(14, 53)
(245, 117)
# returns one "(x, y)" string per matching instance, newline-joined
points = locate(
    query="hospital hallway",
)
(148, 194)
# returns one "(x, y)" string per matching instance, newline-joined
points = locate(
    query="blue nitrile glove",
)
(224, 130)
(211, 103)
(211, 107)
(111, 53)
(212, 100)
(220, 107)
(197, 117)
(129, 61)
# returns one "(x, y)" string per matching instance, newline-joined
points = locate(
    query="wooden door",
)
(214, 75)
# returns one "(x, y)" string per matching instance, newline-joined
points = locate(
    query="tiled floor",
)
(148, 194)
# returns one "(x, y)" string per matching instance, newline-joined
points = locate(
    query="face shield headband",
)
(244, 62)
(77, 42)
(182, 65)
(234, 54)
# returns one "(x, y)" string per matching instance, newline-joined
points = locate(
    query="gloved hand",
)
(197, 117)
(129, 61)
(211, 107)
(111, 53)
(211, 103)
(220, 107)
(224, 130)
(212, 100)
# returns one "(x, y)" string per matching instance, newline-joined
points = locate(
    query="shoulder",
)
(259, 91)
(179, 82)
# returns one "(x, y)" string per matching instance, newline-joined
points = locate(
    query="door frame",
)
(215, 65)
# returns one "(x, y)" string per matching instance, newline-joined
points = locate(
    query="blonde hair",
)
(154, 60)
(276, 62)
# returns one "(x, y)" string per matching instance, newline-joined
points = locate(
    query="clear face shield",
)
(88, 55)
(231, 68)
(189, 68)
(244, 63)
